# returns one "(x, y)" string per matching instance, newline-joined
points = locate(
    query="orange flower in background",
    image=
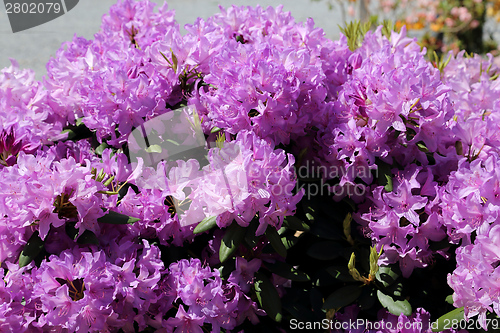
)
(436, 26)
(455, 24)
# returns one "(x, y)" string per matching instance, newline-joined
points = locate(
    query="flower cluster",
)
(266, 73)
(110, 83)
(26, 121)
(205, 298)
(405, 220)
(84, 290)
(244, 178)
(104, 181)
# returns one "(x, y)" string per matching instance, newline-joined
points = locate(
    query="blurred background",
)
(440, 25)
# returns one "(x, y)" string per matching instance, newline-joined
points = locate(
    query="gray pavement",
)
(33, 48)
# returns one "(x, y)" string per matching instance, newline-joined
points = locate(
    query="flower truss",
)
(154, 182)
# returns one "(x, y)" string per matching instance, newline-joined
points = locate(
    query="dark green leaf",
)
(71, 134)
(316, 300)
(342, 297)
(268, 296)
(250, 239)
(101, 148)
(231, 241)
(326, 250)
(384, 175)
(71, 231)
(206, 224)
(441, 245)
(298, 311)
(31, 249)
(324, 279)
(341, 273)
(394, 307)
(275, 240)
(289, 241)
(324, 228)
(287, 271)
(444, 321)
(88, 237)
(386, 276)
(294, 223)
(395, 291)
(367, 299)
(117, 218)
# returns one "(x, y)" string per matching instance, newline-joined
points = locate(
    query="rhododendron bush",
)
(248, 175)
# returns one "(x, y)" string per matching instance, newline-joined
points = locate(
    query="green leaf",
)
(282, 230)
(342, 297)
(386, 276)
(88, 237)
(387, 28)
(205, 225)
(299, 311)
(231, 241)
(250, 239)
(289, 241)
(71, 134)
(174, 61)
(355, 32)
(294, 223)
(117, 218)
(108, 181)
(71, 231)
(444, 321)
(108, 193)
(341, 273)
(449, 299)
(367, 299)
(175, 143)
(31, 249)
(384, 175)
(326, 250)
(275, 240)
(287, 271)
(268, 297)
(422, 147)
(215, 129)
(322, 279)
(440, 245)
(394, 307)
(165, 57)
(154, 149)
(324, 228)
(101, 148)
(79, 121)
